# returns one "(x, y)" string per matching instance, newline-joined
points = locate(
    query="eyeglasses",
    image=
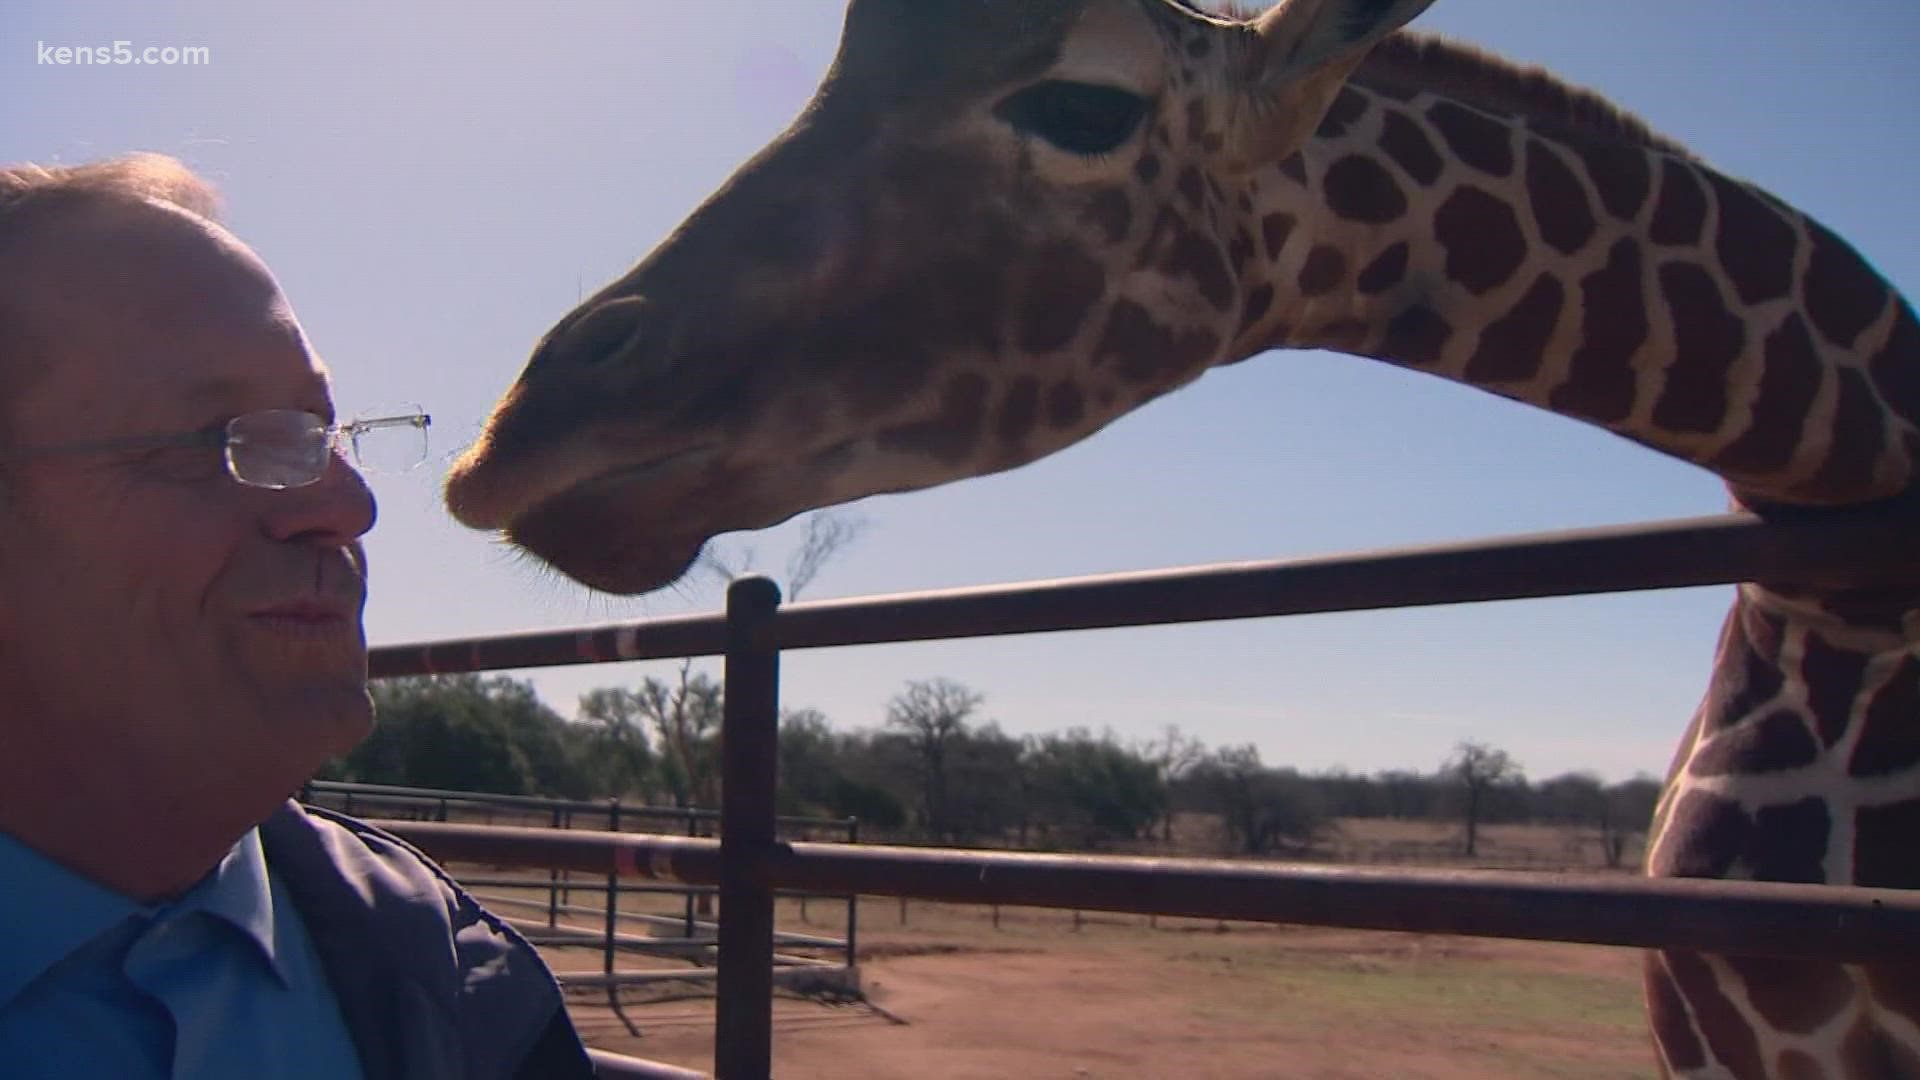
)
(279, 448)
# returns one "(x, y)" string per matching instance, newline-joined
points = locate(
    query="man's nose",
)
(334, 510)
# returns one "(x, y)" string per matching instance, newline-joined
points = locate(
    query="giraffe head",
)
(999, 225)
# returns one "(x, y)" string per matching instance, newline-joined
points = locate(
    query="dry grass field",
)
(950, 995)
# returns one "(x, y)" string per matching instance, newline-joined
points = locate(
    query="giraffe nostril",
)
(603, 333)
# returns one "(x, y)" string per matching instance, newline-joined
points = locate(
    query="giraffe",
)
(1002, 224)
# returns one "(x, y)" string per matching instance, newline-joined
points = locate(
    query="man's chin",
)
(321, 722)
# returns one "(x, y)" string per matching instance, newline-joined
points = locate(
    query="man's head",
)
(164, 629)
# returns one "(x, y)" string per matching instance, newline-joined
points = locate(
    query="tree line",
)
(936, 770)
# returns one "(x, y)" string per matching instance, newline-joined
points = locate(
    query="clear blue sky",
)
(436, 183)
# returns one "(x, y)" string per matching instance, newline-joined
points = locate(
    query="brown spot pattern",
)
(1755, 243)
(1705, 834)
(1843, 295)
(1559, 202)
(1789, 843)
(1241, 248)
(1667, 1012)
(1385, 271)
(1344, 335)
(1020, 410)
(1896, 368)
(1481, 237)
(1196, 118)
(1147, 168)
(1191, 187)
(1361, 189)
(1476, 138)
(1623, 175)
(1895, 987)
(1681, 215)
(1065, 405)
(1194, 255)
(1859, 430)
(1259, 302)
(1416, 336)
(1294, 168)
(1600, 378)
(1883, 846)
(1733, 1043)
(1274, 230)
(1788, 381)
(1110, 213)
(1410, 148)
(1347, 108)
(1754, 641)
(1324, 269)
(1145, 352)
(1065, 286)
(1707, 340)
(951, 436)
(1889, 739)
(1774, 743)
(1512, 346)
(1866, 1051)
(1832, 678)
(1793, 995)
(1794, 1065)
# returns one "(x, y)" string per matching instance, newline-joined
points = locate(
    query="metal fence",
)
(547, 912)
(1856, 547)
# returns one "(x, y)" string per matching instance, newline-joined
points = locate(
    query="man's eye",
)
(183, 462)
(1080, 118)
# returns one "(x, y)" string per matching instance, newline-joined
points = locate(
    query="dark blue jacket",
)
(433, 987)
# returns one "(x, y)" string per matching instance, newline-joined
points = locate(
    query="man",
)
(181, 584)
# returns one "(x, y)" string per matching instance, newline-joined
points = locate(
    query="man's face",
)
(156, 616)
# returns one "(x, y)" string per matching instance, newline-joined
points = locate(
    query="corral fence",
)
(546, 910)
(1854, 547)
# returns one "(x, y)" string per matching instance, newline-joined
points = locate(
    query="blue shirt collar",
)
(239, 893)
(47, 911)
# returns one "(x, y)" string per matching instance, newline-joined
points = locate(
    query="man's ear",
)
(1295, 59)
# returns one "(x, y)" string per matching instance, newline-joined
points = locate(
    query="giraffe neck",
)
(1606, 278)
(1620, 282)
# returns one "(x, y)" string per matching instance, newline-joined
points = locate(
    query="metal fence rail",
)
(540, 919)
(1855, 547)
(1741, 917)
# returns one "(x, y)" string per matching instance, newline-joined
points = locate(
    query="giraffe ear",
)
(1297, 57)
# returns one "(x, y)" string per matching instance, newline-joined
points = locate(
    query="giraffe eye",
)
(1080, 118)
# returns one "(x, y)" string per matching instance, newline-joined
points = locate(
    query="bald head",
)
(72, 234)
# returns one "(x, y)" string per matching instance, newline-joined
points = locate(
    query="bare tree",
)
(686, 720)
(933, 713)
(1173, 754)
(1476, 769)
(829, 532)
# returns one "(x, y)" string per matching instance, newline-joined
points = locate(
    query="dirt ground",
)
(953, 998)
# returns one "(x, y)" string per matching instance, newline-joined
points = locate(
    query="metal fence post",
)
(853, 903)
(749, 770)
(553, 884)
(693, 829)
(613, 898)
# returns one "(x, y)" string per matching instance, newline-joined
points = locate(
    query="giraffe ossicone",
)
(1002, 224)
